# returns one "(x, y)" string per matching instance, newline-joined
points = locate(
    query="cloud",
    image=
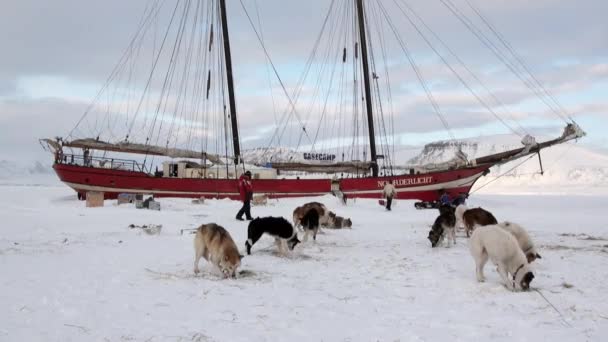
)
(74, 45)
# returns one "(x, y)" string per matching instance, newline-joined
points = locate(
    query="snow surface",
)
(75, 274)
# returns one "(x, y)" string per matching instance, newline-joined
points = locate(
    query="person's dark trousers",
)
(246, 209)
(389, 201)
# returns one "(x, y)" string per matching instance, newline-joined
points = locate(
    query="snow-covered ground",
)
(69, 273)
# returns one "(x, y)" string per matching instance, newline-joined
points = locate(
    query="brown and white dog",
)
(338, 222)
(215, 244)
(494, 243)
(474, 217)
(523, 240)
(299, 212)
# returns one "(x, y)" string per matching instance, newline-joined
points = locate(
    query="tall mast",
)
(228, 57)
(368, 93)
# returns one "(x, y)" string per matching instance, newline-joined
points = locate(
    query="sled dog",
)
(284, 233)
(476, 217)
(338, 222)
(310, 223)
(214, 243)
(299, 212)
(494, 243)
(445, 224)
(523, 239)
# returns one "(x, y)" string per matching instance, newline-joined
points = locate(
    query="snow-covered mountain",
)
(261, 156)
(13, 169)
(566, 167)
(26, 173)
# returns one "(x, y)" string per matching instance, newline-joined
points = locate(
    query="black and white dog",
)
(445, 224)
(310, 223)
(283, 232)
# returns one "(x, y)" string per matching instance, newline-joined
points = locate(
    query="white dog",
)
(523, 239)
(501, 247)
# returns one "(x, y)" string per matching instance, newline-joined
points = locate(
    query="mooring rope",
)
(554, 308)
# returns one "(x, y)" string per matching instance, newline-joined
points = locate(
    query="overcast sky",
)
(55, 54)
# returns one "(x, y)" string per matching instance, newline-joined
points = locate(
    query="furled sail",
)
(128, 147)
(350, 167)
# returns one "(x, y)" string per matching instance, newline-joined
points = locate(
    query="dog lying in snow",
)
(215, 244)
(445, 224)
(475, 217)
(494, 243)
(338, 222)
(285, 235)
(523, 240)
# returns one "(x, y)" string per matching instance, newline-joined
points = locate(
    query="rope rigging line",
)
(268, 76)
(286, 93)
(519, 59)
(418, 73)
(120, 64)
(379, 112)
(317, 88)
(299, 86)
(168, 81)
(381, 30)
(151, 74)
(463, 64)
(495, 50)
(197, 88)
(180, 106)
(460, 78)
(169, 76)
(330, 86)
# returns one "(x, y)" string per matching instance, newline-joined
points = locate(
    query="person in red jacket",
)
(246, 193)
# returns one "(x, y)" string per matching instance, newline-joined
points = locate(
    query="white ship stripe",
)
(438, 186)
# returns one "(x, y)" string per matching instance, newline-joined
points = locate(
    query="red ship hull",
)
(112, 182)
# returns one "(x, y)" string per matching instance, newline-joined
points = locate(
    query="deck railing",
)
(100, 163)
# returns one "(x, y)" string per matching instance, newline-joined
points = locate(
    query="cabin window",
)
(173, 170)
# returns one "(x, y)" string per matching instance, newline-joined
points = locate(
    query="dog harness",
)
(515, 274)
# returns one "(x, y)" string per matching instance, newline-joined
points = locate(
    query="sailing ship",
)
(209, 160)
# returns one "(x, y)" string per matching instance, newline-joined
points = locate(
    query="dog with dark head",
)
(498, 245)
(445, 224)
(284, 233)
(338, 222)
(476, 217)
(310, 223)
